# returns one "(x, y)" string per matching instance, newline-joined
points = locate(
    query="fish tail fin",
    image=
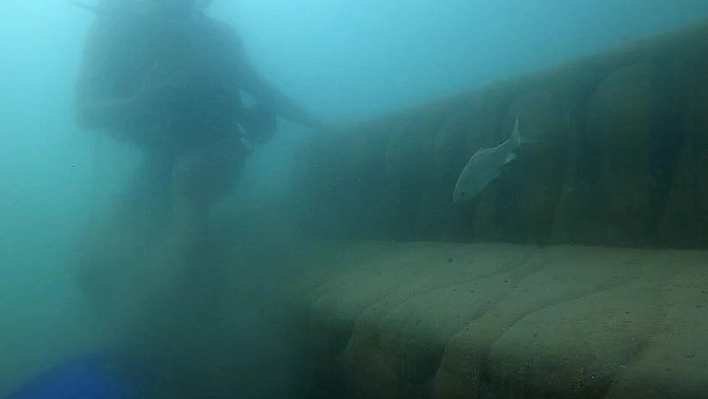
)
(516, 136)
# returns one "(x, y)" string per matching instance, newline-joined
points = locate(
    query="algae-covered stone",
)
(409, 170)
(619, 157)
(686, 217)
(618, 118)
(539, 171)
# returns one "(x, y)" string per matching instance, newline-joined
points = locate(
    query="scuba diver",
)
(162, 75)
(165, 77)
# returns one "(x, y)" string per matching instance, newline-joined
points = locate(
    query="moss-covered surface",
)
(620, 157)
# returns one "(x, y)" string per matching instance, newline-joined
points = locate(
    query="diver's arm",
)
(93, 113)
(95, 105)
(96, 108)
(262, 90)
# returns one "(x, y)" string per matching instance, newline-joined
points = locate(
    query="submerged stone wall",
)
(620, 158)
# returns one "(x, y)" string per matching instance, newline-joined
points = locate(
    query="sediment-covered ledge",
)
(445, 320)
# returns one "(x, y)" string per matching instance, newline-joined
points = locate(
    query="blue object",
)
(84, 377)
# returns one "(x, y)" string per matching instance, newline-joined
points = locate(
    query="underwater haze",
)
(345, 60)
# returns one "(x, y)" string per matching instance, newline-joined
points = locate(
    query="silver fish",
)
(486, 165)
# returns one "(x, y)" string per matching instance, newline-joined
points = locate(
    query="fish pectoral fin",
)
(510, 158)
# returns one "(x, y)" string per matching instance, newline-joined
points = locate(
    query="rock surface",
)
(458, 320)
